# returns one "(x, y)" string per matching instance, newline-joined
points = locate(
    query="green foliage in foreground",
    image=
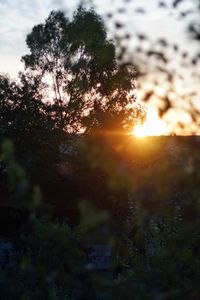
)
(155, 253)
(50, 261)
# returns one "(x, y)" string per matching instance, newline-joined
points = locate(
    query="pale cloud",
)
(17, 17)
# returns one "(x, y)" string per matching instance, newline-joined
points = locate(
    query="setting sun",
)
(153, 126)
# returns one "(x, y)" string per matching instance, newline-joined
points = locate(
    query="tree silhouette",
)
(89, 86)
(25, 119)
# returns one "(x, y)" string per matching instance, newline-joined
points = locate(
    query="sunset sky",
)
(17, 17)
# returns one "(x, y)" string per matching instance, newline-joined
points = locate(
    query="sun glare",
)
(153, 126)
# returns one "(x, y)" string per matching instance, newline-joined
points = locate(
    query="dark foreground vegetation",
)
(88, 211)
(140, 198)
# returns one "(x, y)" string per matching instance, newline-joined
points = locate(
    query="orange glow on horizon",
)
(153, 125)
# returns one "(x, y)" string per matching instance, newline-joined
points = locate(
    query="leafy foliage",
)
(25, 119)
(81, 61)
(148, 189)
(160, 231)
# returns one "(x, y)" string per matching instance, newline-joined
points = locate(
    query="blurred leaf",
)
(176, 3)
